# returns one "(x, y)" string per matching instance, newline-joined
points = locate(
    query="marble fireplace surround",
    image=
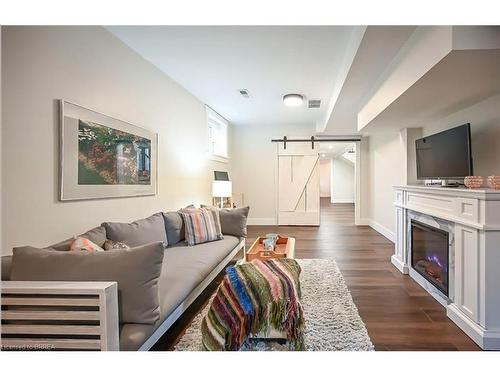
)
(472, 220)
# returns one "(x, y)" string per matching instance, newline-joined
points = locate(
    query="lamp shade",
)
(222, 189)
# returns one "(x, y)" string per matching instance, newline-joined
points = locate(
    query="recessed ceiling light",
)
(293, 100)
(323, 155)
(330, 147)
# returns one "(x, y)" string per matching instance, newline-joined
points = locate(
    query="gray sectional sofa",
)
(185, 271)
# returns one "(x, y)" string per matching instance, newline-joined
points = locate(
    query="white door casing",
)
(298, 184)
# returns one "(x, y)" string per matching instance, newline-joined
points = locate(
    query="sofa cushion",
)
(233, 221)
(132, 336)
(6, 267)
(139, 232)
(136, 271)
(97, 235)
(174, 226)
(202, 225)
(185, 267)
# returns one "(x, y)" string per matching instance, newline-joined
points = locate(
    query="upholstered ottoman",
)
(255, 299)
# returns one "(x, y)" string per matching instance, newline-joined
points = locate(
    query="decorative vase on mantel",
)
(473, 182)
(494, 182)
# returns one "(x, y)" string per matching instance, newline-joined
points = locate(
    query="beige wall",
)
(484, 118)
(325, 176)
(89, 66)
(254, 166)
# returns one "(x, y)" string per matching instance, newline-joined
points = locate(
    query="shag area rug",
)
(331, 317)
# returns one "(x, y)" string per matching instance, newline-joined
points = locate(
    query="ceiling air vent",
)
(244, 93)
(314, 103)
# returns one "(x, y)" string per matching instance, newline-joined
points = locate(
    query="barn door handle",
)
(312, 142)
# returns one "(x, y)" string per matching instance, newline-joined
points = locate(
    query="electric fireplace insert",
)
(429, 254)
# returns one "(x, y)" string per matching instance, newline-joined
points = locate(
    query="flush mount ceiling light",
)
(293, 100)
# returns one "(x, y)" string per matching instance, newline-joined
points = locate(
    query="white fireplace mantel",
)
(475, 214)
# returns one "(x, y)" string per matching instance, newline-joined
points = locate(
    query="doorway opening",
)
(299, 186)
(337, 170)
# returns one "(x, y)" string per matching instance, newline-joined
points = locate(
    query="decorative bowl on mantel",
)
(494, 182)
(473, 182)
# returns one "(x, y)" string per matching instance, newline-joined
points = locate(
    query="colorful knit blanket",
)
(252, 298)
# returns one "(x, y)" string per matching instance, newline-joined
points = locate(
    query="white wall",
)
(254, 166)
(325, 176)
(342, 189)
(91, 67)
(387, 168)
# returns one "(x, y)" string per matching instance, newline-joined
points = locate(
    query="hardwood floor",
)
(398, 313)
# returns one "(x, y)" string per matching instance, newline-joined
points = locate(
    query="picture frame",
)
(104, 157)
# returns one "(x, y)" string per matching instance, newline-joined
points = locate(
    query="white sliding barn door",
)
(298, 184)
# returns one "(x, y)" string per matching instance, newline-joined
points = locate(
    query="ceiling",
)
(214, 62)
(378, 48)
(334, 149)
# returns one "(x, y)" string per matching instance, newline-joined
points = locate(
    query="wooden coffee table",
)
(285, 248)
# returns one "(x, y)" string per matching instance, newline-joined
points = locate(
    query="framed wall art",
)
(103, 157)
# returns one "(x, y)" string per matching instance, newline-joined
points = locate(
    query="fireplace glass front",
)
(429, 254)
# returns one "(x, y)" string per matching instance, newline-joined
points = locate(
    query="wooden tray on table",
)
(285, 248)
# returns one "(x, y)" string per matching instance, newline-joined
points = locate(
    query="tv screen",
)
(445, 155)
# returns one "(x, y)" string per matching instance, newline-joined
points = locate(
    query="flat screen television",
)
(445, 155)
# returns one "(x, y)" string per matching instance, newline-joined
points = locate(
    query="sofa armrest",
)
(6, 267)
(65, 304)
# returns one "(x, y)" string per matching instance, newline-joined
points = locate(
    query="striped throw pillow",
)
(202, 225)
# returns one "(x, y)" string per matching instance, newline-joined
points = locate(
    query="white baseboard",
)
(403, 268)
(261, 221)
(363, 221)
(486, 339)
(390, 235)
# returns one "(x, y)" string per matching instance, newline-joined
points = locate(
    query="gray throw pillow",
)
(135, 270)
(233, 221)
(6, 267)
(97, 235)
(174, 226)
(140, 232)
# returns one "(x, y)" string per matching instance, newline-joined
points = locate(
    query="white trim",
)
(403, 268)
(167, 323)
(387, 233)
(357, 182)
(261, 221)
(483, 194)
(363, 221)
(485, 338)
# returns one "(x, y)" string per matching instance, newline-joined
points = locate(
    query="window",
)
(217, 135)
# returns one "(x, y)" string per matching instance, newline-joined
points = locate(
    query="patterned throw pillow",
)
(115, 245)
(82, 243)
(202, 225)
